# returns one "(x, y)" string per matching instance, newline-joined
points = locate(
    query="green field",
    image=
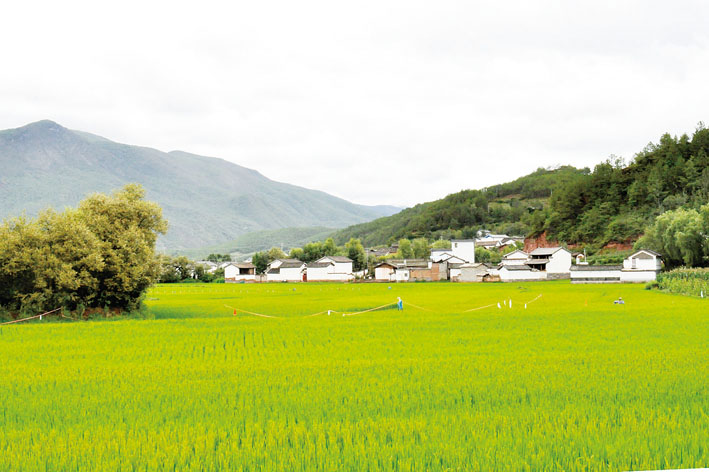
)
(572, 382)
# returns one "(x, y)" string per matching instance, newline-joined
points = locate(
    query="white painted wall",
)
(384, 273)
(401, 275)
(559, 262)
(514, 275)
(637, 276)
(230, 272)
(637, 263)
(464, 249)
(294, 274)
(594, 274)
(318, 273)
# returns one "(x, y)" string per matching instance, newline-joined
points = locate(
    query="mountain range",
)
(206, 200)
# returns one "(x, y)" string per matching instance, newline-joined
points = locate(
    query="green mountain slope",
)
(613, 203)
(506, 208)
(206, 200)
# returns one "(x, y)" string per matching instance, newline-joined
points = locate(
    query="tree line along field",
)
(572, 382)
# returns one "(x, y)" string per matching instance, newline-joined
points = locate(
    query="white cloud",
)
(377, 102)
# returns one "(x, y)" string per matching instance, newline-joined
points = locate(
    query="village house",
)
(471, 272)
(641, 266)
(330, 268)
(410, 270)
(464, 249)
(285, 270)
(555, 261)
(385, 271)
(239, 272)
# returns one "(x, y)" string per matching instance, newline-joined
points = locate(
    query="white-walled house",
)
(552, 260)
(517, 257)
(330, 268)
(285, 270)
(641, 266)
(404, 270)
(385, 271)
(238, 272)
(463, 249)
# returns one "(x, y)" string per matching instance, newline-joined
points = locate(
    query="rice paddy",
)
(452, 382)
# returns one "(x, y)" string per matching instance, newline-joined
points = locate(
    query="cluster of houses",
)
(458, 264)
(556, 263)
(325, 269)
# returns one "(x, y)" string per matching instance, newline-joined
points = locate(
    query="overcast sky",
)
(381, 102)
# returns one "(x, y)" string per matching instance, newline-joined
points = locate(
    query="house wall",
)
(638, 276)
(421, 274)
(643, 263)
(515, 261)
(330, 277)
(317, 273)
(472, 274)
(384, 273)
(595, 276)
(294, 274)
(240, 278)
(230, 272)
(559, 262)
(343, 268)
(520, 275)
(464, 250)
(274, 278)
(401, 275)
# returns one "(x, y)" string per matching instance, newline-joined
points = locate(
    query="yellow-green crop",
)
(572, 382)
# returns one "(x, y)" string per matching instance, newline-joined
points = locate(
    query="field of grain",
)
(452, 382)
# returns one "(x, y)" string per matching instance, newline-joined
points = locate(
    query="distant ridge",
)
(206, 200)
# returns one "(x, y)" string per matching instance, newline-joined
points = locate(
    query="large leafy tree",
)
(681, 236)
(355, 251)
(99, 255)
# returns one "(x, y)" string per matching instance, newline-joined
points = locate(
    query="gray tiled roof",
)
(291, 265)
(584, 267)
(517, 267)
(318, 265)
(338, 258)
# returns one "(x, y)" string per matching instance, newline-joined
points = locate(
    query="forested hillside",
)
(614, 202)
(510, 208)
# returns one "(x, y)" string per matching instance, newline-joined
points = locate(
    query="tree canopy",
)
(101, 254)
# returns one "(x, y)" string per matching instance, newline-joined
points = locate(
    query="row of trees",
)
(101, 254)
(314, 251)
(182, 269)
